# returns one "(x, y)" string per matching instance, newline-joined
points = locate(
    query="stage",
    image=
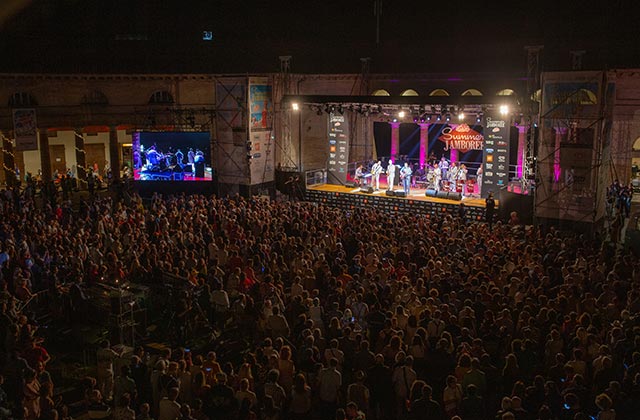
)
(417, 201)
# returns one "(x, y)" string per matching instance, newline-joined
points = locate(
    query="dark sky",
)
(322, 36)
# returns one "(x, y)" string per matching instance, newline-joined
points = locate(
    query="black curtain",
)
(382, 137)
(410, 140)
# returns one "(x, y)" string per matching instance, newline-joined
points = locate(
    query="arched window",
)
(381, 92)
(471, 92)
(636, 145)
(409, 92)
(537, 96)
(439, 92)
(505, 92)
(161, 97)
(587, 97)
(95, 97)
(21, 100)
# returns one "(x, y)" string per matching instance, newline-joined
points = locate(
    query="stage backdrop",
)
(338, 149)
(261, 131)
(496, 153)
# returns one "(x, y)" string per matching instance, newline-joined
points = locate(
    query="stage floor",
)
(415, 194)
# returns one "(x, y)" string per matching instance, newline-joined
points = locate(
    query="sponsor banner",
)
(337, 163)
(261, 147)
(260, 104)
(26, 129)
(462, 137)
(496, 154)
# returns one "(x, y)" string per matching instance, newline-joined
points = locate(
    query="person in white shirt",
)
(403, 377)
(391, 175)
(170, 409)
(376, 170)
(330, 383)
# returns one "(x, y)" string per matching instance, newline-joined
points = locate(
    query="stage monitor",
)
(172, 156)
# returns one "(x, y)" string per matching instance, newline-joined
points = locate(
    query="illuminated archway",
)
(381, 92)
(471, 92)
(439, 92)
(409, 92)
(587, 97)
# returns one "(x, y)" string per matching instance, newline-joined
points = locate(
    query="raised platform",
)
(417, 202)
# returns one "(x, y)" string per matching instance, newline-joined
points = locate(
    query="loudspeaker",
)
(442, 194)
(431, 192)
(368, 189)
(399, 193)
(350, 184)
(390, 193)
(454, 196)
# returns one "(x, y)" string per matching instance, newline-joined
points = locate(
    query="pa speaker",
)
(390, 193)
(399, 193)
(350, 184)
(431, 192)
(454, 196)
(442, 194)
(368, 189)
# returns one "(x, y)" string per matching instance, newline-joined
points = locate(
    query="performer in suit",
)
(437, 177)
(405, 176)
(391, 175)
(376, 170)
(444, 168)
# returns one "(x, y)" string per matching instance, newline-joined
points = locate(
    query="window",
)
(95, 98)
(409, 92)
(439, 92)
(161, 97)
(21, 100)
(381, 92)
(471, 92)
(505, 92)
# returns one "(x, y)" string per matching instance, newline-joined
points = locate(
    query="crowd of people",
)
(330, 314)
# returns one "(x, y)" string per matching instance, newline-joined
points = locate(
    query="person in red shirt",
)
(36, 354)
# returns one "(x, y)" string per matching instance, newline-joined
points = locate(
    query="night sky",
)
(322, 36)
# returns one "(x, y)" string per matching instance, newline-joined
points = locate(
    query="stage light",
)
(421, 119)
(438, 118)
(461, 116)
(395, 120)
(448, 117)
(401, 114)
(295, 106)
(478, 118)
(415, 119)
(504, 109)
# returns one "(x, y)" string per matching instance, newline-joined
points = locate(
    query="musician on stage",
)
(360, 179)
(437, 176)
(376, 170)
(180, 157)
(444, 168)
(405, 176)
(453, 173)
(462, 177)
(391, 175)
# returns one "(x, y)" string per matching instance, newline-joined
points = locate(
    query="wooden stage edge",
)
(416, 194)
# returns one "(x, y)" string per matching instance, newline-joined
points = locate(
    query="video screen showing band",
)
(172, 156)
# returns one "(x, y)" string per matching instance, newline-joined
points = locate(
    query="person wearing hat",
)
(358, 392)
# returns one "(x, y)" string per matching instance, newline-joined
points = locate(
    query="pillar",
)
(8, 162)
(395, 140)
(557, 170)
(81, 157)
(522, 150)
(45, 155)
(114, 154)
(424, 144)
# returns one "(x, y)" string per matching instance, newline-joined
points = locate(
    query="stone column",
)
(424, 144)
(114, 154)
(81, 158)
(395, 140)
(45, 156)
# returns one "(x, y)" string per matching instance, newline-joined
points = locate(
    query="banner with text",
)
(26, 129)
(462, 137)
(260, 131)
(338, 149)
(496, 154)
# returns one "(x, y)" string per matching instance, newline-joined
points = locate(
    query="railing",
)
(315, 177)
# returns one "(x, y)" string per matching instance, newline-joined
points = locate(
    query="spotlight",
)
(461, 116)
(295, 106)
(395, 120)
(478, 118)
(401, 114)
(448, 118)
(421, 119)
(504, 109)
(438, 118)
(415, 119)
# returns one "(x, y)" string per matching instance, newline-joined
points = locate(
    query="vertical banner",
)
(338, 163)
(496, 154)
(261, 131)
(26, 129)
